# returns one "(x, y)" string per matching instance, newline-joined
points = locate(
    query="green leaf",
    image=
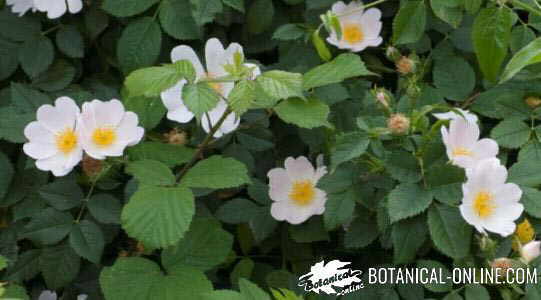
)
(62, 194)
(339, 207)
(262, 224)
(168, 154)
(434, 266)
(126, 8)
(139, 45)
(525, 173)
(491, 33)
(361, 233)
(223, 295)
(403, 166)
(8, 58)
(312, 230)
(205, 246)
(6, 175)
(26, 266)
(449, 232)
(445, 182)
(96, 21)
(521, 36)
(288, 32)
(476, 292)
(306, 114)
(26, 99)
(446, 72)
(409, 24)
(149, 110)
(531, 198)
(87, 240)
(216, 172)
(48, 227)
(279, 85)
(105, 208)
(342, 67)
(242, 96)
(408, 236)
(177, 20)
(204, 11)
(137, 278)
(449, 11)
(12, 124)
(59, 266)
(150, 82)
(237, 211)
(56, 78)
(407, 200)
(251, 291)
(14, 28)
(15, 292)
(259, 16)
(349, 146)
(70, 41)
(36, 55)
(235, 4)
(151, 172)
(158, 216)
(530, 54)
(511, 133)
(321, 47)
(3, 262)
(473, 6)
(199, 97)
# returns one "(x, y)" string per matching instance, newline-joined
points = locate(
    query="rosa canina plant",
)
(222, 149)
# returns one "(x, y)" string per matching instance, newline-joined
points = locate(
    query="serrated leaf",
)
(150, 82)
(476, 292)
(280, 85)
(435, 266)
(14, 28)
(339, 208)
(251, 291)
(445, 182)
(446, 72)
(150, 111)
(158, 216)
(177, 20)
(408, 236)
(70, 41)
(309, 113)
(36, 55)
(199, 97)
(48, 227)
(342, 67)
(242, 96)
(105, 208)
(62, 194)
(139, 45)
(403, 166)
(259, 16)
(235, 4)
(288, 32)
(26, 99)
(530, 54)
(491, 33)
(362, 231)
(525, 173)
(86, 238)
(216, 172)
(349, 146)
(12, 124)
(8, 58)
(449, 11)
(169, 154)
(204, 246)
(7, 174)
(126, 8)
(449, 232)
(409, 24)
(59, 266)
(236, 211)
(151, 172)
(56, 78)
(262, 224)
(204, 11)
(408, 200)
(511, 133)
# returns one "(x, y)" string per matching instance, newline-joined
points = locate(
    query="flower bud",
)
(398, 124)
(487, 245)
(533, 101)
(503, 264)
(176, 137)
(530, 251)
(91, 167)
(405, 65)
(392, 53)
(382, 96)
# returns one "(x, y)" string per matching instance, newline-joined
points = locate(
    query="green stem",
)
(51, 29)
(85, 201)
(524, 6)
(203, 144)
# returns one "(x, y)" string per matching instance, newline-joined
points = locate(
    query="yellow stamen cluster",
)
(302, 192)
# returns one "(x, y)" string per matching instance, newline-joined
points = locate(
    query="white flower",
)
(360, 29)
(294, 191)
(50, 295)
(53, 139)
(57, 8)
(106, 128)
(21, 6)
(451, 115)
(464, 148)
(488, 202)
(216, 58)
(530, 251)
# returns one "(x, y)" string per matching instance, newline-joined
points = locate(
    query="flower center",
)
(461, 151)
(352, 33)
(525, 232)
(66, 141)
(483, 204)
(216, 86)
(104, 137)
(303, 192)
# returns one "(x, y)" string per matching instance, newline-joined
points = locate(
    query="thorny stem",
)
(203, 145)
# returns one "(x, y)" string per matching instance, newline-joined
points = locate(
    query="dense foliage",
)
(282, 133)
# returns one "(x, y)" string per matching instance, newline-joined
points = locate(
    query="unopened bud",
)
(176, 137)
(392, 53)
(530, 251)
(405, 65)
(398, 124)
(382, 97)
(501, 265)
(533, 102)
(91, 167)
(487, 245)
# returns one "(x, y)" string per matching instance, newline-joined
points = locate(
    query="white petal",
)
(320, 172)
(299, 169)
(108, 113)
(371, 24)
(508, 193)
(231, 50)
(186, 52)
(501, 227)
(176, 110)
(463, 133)
(47, 295)
(20, 6)
(40, 150)
(60, 164)
(75, 6)
(128, 132)
(37, 133)
(470, 217)
(256, 71)
(339, 7)
(215, 57)
(485, 148)
(54, 9)
(279, 184)
(279, 210)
